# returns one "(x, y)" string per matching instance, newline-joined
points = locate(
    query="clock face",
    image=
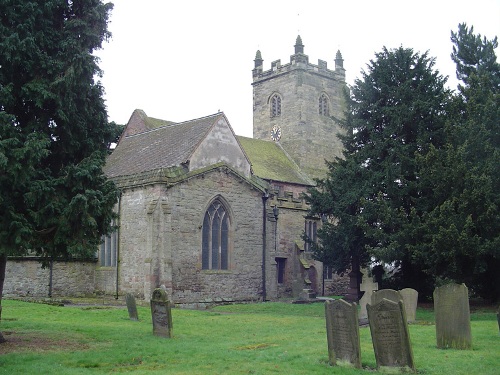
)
(276, 133)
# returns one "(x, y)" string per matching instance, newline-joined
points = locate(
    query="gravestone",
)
(368, 286)
(161, 313)
(410, 300)
(451, 306)
(342, 332)
(390, 294)
(131, 307)
(390, 335)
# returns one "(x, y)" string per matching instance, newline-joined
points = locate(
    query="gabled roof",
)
(270, 162)
(168, 145)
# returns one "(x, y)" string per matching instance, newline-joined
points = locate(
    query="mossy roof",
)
(164, 146)
(271, 162)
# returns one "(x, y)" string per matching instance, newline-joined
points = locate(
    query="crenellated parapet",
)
(298, 61)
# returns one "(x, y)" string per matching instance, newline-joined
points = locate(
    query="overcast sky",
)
(181, 60)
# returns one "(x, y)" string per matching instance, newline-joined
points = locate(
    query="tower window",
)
(215, 237)
(275, 106)
(323, 105)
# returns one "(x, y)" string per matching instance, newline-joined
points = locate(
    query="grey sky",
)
(180, 60)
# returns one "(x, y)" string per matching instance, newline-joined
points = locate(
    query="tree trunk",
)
(3, 264)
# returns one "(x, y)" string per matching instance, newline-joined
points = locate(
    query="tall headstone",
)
(451, 306)
(390, 335)
(342, 332)
(390, 294)
(161, 313)
(410, 300)
(368, 286)
(131, 307)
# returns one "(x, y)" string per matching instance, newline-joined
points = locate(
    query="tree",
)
(462, 228)
(54, 135)
(372, 196)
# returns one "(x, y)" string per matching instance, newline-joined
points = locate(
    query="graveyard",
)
(101, 336)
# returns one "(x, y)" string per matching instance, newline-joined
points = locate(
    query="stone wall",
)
(26, 278)
(161, 233)
(307, 136)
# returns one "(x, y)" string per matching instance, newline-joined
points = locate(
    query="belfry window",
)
(216, 237)
(323, 105)
(275, 106)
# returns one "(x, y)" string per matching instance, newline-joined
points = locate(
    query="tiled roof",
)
(162, 147)
(271, 162)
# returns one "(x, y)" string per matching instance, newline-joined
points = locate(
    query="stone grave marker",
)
(390, 335)
(410, 300)
(368, 286)
(161, 313)
(390, 294)
(131, 307)
(451, 307)
(342, 332)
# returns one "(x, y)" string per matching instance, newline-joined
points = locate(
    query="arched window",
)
(311, 234)
(275, 105)
(323, 105)
(216, 237)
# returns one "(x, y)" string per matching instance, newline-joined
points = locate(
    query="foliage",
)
(461, 231)
(54, 134)
(372, 195)
(264, 338)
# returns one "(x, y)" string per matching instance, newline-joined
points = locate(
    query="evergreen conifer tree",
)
(54, 133)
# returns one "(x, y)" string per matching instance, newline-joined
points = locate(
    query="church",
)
(211, 216)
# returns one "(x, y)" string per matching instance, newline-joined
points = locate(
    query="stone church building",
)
(211, 216)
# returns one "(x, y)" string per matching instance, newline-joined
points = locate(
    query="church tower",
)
(298, 105)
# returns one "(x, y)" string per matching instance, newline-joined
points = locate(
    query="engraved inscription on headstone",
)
(410, 300)
(131, 307)
(390, 294)
(161, 313)
(451, 306)
(342, 331)
(390, 335)
(368, 286)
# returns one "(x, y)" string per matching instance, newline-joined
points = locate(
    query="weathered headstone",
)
(368, 286)
(342, 332)
(161, 313)
(131, 307)
(451, 306)
(390, 335)
(410, 300)
(390, 294)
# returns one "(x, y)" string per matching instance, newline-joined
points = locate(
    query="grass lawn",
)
(261, 338)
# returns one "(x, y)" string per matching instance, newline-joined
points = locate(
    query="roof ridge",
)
(172, 124)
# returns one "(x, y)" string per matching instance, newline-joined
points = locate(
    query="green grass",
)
(260, 338)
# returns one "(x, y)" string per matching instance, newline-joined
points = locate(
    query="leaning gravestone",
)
(368, 286)
(342, 332)
(410, 300)
(161, 313)
(131, 307)
(451, 306)
(390, 294)
(390, 335)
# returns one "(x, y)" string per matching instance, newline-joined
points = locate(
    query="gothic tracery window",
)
(323, 105)
(216, 237)
(275, 106)
(311, 234)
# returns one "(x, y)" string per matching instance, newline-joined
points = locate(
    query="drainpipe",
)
(264, 238)
(118, 244)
